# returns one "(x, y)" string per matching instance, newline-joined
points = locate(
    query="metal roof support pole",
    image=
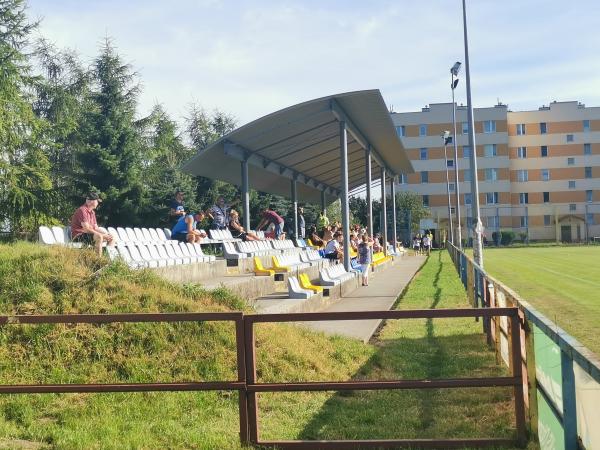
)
(245, 194)
(368, 182)
(383, 212)
(344, 193)
(295, 206)
(323, 202)
(393, 194)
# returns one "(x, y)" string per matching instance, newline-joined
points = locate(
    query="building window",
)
(489, 150)
(465, 128)
(493, 222)
(544, 151)
(520, 129)
(524, 222)
(589, 218)
(426, 200)
(450, 163)
(401, 130)
(571, 184)
(422, 130)
(402, 178)
(570, 161)
(588, 172)
(466, 151)
(547, 220)
(451, 186)
(467, 175)
(423, 153)
(489, 126)
(569, 138)
(586, 125)
(543, 128)
(522, 176)
(546, 197)
(587, 149)
(491, 198)
(452, 209)
(522, 152)
(545, 174)
(589, 196)
(424, 177)
(524, 198)
(468, 199)
(491, 174)
(572, 207)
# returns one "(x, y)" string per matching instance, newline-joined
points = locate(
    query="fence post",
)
(531, 377)
(517, 372)
(569, 401)
(252, 403)
(241, 368)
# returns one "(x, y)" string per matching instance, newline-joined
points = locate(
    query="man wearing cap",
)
(176, 208)
(84, 227)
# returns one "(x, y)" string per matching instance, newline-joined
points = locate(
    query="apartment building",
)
(538, 171)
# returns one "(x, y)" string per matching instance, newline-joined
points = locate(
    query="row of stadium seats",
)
(242, 250)
(334, 275)
(167, 253)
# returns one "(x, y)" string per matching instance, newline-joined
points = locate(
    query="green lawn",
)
(561, 282)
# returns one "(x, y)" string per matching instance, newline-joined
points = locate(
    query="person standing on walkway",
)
(364, 258)
(426, 244)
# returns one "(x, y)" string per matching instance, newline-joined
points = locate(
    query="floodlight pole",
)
(456, 182)
(448, 190)
(383, 212)
(478, 228)
(368, 181)
(344, 193)
(245, 194)
(295, 205)
(393, 194)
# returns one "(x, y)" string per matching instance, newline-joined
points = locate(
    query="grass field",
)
(562, 282)
(36, 280)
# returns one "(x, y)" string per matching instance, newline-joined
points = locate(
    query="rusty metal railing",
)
(248, 387)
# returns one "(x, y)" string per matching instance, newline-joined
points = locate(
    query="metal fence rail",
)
(561, 376)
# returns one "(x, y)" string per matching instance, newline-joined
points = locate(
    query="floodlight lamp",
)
(455, 68)
(454, 84)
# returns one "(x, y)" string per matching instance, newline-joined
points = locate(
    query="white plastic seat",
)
(45, 236)
(162, 262)
(180, 254)
(230, 252)
(162, 253)
(327, 280)
(297, 292)
(123, 236)
(139, 236)
(199, 252)
(167, 233)
(114, 233)
(171, 252)
(147, 235)
(132, 259)
(131, 237)
(59, 235)
(190, 253)
(154, 237)
(145, 254)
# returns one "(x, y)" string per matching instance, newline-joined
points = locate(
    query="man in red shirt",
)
(271, 217)
(84, 228)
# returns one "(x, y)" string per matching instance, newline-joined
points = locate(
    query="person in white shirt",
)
(333, 249)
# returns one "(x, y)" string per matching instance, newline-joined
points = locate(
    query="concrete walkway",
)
(381, 294)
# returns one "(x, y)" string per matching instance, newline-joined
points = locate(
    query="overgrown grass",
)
(561, 282)
(41, 280)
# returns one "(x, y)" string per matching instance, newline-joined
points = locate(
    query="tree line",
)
(68, 127)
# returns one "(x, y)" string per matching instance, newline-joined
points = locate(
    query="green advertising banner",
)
(548, 366)
(550, 430)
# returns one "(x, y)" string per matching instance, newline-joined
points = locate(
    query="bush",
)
(523, 237)
(496, 238)
(507, 237)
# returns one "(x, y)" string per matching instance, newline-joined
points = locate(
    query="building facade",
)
(538, 171)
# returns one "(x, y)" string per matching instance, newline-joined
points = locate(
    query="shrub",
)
(523, 236)
(496, 238)
(507, 237)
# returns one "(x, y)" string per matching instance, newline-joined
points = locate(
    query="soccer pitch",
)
(561, 282)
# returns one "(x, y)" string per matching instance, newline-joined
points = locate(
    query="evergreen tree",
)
(24, 169)
(110, 150)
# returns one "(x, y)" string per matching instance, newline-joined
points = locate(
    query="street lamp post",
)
(454, 82)
(446, 138)
(478, 228)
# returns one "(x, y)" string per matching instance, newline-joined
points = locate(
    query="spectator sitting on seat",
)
(377, 244)
(84, 227)
(219, 213)
(271, 217)
(176, 208)
(314, 237)
(327, 234)
(333, 249)
(237, 230)
(185, 229)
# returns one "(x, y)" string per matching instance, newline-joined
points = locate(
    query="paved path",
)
(381, 294)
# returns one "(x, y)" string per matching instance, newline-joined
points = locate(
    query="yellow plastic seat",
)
(278, 267)
(353, 253)
(305, 283)
(311, 244)
(260, 270)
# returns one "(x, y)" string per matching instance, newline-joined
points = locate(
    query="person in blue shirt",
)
(176, 208)
(185, 229)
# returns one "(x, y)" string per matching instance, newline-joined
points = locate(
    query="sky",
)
(250, 58)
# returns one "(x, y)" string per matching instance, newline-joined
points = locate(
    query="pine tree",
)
(24, 168)
(110, 153)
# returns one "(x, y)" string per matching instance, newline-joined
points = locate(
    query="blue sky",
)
(250, 58)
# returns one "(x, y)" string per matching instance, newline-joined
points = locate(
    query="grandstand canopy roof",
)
(302, 142)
